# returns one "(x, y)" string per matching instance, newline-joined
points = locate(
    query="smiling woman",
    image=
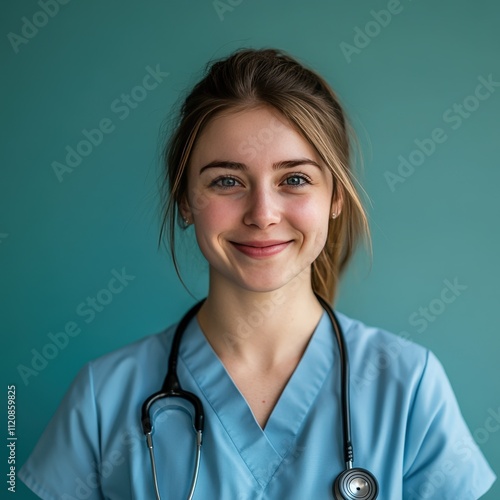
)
(278, 203)
(259, 164)
(289, 106)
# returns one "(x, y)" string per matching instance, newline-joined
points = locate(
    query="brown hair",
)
(249, 78)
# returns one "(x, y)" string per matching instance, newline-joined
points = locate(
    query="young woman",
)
(258, 386)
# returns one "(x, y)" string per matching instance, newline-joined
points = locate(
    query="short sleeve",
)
(442, 460)
(64, 462)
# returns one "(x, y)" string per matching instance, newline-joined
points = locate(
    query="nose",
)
(264, 208)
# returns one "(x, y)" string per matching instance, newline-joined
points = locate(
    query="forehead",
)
(251, 135)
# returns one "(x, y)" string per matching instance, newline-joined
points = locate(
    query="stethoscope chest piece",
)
(355, 484)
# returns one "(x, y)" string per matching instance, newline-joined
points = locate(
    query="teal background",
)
(60, 241)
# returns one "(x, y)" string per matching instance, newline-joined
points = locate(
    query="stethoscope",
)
(351, 484)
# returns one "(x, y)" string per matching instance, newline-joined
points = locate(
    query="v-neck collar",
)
(259, 448)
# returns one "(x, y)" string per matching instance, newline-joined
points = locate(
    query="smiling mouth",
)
(261, 251)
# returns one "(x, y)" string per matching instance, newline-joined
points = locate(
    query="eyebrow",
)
(234, 165)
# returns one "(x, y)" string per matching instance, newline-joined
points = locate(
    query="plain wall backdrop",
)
(421, 83)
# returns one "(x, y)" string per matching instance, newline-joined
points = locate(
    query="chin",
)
(266, 284)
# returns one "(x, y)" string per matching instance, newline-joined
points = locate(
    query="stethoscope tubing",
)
(344, 384)
(172, 388)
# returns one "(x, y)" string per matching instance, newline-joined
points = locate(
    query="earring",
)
(186, 221)
(334, 215)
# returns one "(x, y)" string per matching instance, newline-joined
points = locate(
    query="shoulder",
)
(363, 335)
(150, 348)
(100, 417)
(140, 363)
(129, 373)
(414, 414)
(377, 354)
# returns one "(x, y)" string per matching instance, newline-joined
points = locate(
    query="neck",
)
(260, 330)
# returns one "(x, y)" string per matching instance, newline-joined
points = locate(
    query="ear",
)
(338, 200)
(185, 209)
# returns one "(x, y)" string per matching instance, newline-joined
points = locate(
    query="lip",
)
(258, 249)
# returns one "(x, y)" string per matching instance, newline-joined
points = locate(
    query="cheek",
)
(214, 219)
(310, 215)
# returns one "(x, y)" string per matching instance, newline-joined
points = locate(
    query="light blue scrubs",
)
(406, 425)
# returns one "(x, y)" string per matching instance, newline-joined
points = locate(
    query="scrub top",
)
(407, 428)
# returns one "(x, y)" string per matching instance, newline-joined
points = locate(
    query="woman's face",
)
(260, 200)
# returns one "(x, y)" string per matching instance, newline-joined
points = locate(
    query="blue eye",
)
(297, 180)
(227, 182)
